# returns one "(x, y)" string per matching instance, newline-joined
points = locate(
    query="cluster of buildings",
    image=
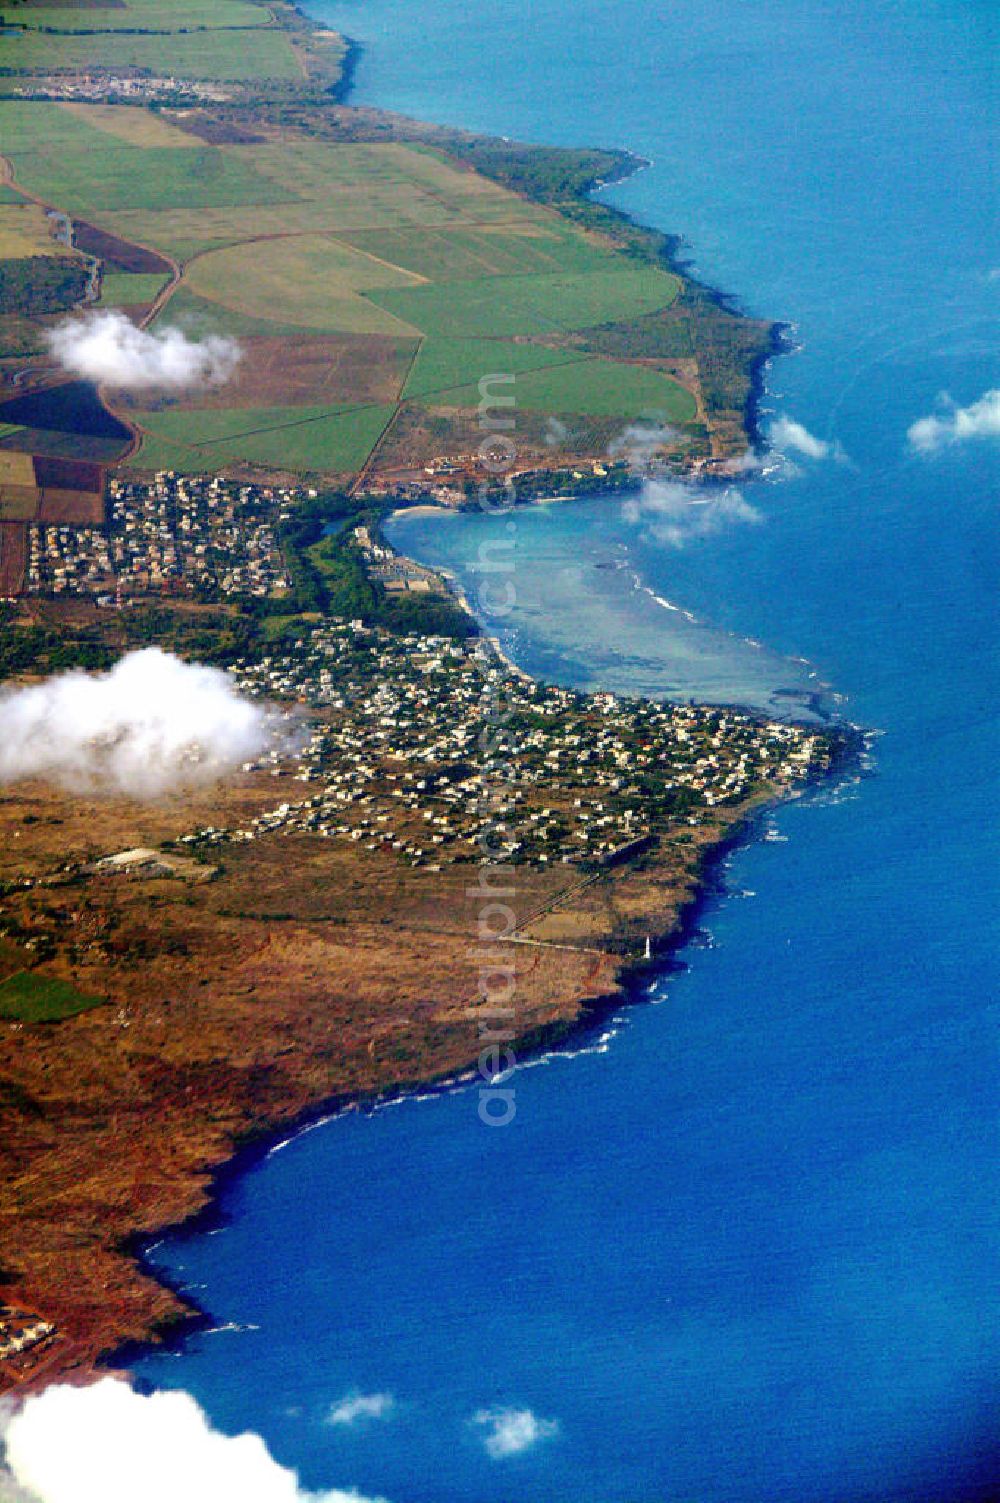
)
(124, 88)
(433, 749)
(68, 560)
(392, 571)
(436, 751)
(455, 480)
(177, 534)
(21, 1331)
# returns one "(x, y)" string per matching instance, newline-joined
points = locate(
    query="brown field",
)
(16, 469)
(18, 503)
(67, 474)
(420, 434)
(13, 557)
(118, 254)
(65, 508)
(309, 372)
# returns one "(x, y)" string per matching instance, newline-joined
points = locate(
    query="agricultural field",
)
(517, 248)
(334, 441)
(313, 279)
(123, 289)
(25, 230)
(28, 997)
(97, 172)
(446, 365)
(151, 15)
(531, 304)
(226, 55)
(341, 370)
(131, 124)
(598, 387)
(224, 41)
(370, 283)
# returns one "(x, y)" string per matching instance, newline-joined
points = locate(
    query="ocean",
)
(741, 1245)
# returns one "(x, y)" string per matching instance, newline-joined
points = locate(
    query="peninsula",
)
(181, 976)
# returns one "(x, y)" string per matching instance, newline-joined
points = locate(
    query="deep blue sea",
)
(745, 1249)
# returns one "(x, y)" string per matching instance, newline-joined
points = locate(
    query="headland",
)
(178, 978)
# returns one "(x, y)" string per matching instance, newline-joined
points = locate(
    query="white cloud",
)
(510, 1432)
(149, 726)
(108, 347)
(108, 1444)
(677, 513)
(788, 435)
(357, 1407)
(956, 425)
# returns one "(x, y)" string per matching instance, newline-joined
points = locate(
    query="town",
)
(439, 752)
(200, 536)
(410, 742)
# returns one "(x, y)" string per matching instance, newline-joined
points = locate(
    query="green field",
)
(443, 365)
(343, 242)
(531, 304)
(29, 124)
(501, 250)
(101, 173)
(28, 997)
(307, 438)
(122, 289)
(377, 173)
(204, 317)
(153, 15)
(587, 386)
(314, 280)
(224, 55)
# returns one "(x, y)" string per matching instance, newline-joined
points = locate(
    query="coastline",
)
(585, 1013)
(672, 250)
(564, 1037)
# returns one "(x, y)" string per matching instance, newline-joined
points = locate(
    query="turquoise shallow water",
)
(746, 1248)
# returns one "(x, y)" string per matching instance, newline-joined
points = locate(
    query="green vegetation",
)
(28, 997)
(550, 174)
(132, 15)
(353, 227)
(207, 317)
(283, 438)
(531, 304)
(562, 178)
(443, 365)
(312, 279)
(601, 387)
(103, 172)
(328, 574)
(460, 254)
(123, 289)
(32, 285)
(206, 635)
(226, 55)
